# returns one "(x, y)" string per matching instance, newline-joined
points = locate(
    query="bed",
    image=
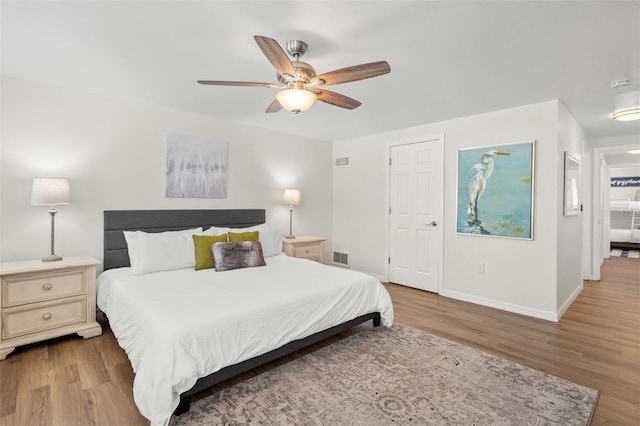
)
(184, 330)
(624, 231)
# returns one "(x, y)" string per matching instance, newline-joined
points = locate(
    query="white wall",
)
(520, 275)
(571, 138)
(113, 152)
(614, 144)
(588, 215)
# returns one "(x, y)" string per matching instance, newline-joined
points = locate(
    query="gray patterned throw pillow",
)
(245, 254)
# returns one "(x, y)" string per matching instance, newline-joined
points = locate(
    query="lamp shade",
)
(50, 191)
(292, 197)
(296, 100)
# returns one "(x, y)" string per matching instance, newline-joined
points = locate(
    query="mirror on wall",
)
(572, 200)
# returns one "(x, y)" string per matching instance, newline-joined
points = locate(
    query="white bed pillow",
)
(218, 230)
(161, 251)
(270, 238)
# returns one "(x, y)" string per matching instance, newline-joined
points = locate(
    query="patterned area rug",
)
(398, 375)
(625, 253)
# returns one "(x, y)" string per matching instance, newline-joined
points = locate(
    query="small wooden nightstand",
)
(305, 247)
(41, 300)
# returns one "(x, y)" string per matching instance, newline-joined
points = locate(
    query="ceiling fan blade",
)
(275, 106)
(336, 99)
(237, 83)
(275, 55)
(354, 73)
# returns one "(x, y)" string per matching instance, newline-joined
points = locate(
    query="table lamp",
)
(291, 197)
(50, 192)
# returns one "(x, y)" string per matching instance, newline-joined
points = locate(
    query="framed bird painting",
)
(495, 190)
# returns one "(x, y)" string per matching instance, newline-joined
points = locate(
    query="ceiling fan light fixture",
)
(296, 99)
(627, 114)
(300, 87)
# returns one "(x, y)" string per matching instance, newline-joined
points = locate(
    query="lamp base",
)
(290, 237)
(52, 258)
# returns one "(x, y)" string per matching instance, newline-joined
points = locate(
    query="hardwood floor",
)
(70, 381)
(596, 343)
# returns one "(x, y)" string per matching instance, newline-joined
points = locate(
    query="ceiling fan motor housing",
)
(304, 71)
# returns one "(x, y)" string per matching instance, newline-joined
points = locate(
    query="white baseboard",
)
(570, 300)
(510, 307)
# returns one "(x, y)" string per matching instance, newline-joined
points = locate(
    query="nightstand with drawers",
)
(41, 300)
(305, 247)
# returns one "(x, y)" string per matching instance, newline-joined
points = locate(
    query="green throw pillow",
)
(204, 254)
(238, 237)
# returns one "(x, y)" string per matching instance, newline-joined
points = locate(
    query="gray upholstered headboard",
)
(115, 221)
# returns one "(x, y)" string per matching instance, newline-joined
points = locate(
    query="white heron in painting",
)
(477, 181)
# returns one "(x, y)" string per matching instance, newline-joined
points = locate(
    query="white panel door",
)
(415, 200)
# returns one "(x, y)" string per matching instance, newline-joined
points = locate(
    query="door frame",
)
(600, 185)
(387, 202)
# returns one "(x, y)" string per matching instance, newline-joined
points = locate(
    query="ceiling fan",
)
(300, 85)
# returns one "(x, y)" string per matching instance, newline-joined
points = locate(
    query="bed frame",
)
(624, 245)
(116, 256)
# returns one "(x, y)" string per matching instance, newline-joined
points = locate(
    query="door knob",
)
(433, 223)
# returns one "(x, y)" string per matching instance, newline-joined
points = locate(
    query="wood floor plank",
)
(33, 408)
(68, 403)
(69, 380)
(109, 405)
(9, 420)
(62, 354)
(92, 370)
(111, 354)
(8, 388)
(34, 371)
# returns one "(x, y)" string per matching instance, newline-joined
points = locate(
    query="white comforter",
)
(624, 235)
(178, 326)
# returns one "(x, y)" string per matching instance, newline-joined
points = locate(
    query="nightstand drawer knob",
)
(46, 316)
(47, 286)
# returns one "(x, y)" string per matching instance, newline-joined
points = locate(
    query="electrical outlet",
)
(480, 268)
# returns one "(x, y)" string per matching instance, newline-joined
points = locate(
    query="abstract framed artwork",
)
(196, 168)
(495, 190)
(621, 182)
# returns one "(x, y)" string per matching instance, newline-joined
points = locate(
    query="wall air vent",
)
(340, 259)
(341, 161)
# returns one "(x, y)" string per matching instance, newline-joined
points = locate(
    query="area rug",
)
(397, 375)
(625, 253)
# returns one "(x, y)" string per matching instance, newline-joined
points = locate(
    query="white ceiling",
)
(621, 159)
(448, 59)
